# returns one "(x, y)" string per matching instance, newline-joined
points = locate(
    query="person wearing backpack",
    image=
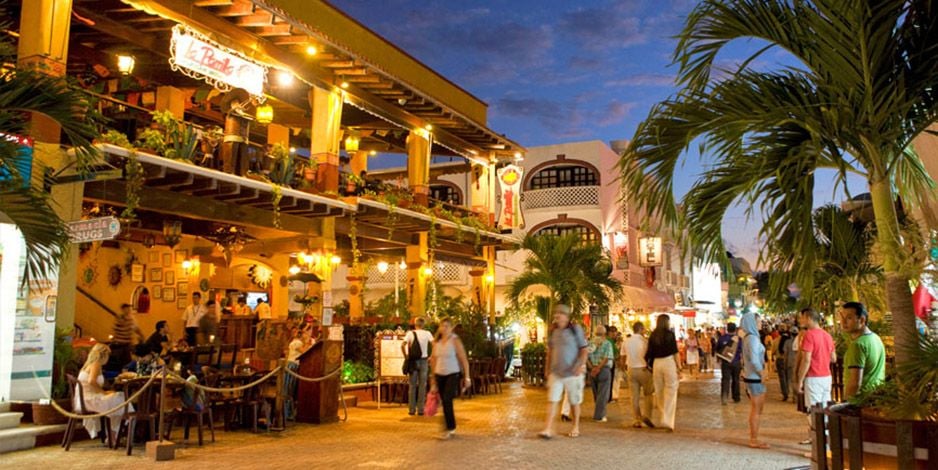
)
(729, 352)
(416, 348)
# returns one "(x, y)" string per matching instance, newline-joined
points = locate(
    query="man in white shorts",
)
(566, 366)
(814, 377)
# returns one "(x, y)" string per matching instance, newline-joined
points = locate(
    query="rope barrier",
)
(239, 388)
(317, 379)
(102, 414)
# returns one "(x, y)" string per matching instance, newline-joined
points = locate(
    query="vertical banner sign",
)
(509, 179)
(649, 251)
(199, 57)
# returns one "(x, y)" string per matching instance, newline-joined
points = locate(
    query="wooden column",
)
(234, 146)
(416, 258)
(326, 134)
(418, 165)
(478, 287)
(489, 283)
(356, 286)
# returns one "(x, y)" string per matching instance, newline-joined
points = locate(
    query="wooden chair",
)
(226, 357)
(496, 372)
(198, 411)
(74, 386)
(202, 356)
(145, 409)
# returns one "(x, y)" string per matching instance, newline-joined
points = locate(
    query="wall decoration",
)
(203, 285)
(182, 289)
(156, 275)
(181, 302)
(90, 274)
(169, 294)
(153, 257)
(509, 178)
(141, 299)
(169, 277)
(156, 292)
(167, 260)
(649, 249)
(114, 275)
(260, 275)
(181, 256)
(136, 272)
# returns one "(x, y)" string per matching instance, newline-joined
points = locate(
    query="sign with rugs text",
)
(198, 57)
(509, 178)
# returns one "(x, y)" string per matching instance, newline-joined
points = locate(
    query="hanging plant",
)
(283, 169)
(276, 195)
(353, 236)
(133, 174)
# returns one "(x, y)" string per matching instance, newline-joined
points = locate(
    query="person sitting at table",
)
(159, 341)
(145, 363)
(95, 397)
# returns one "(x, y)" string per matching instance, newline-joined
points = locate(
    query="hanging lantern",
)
(125, 64)
(351, 143)
(265, 114)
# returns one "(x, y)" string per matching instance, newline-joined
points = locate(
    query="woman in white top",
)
(447, 360)
(96, 398)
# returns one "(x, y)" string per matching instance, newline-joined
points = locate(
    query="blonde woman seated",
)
(96, 398)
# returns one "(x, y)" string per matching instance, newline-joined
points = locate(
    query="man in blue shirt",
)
(728, 351)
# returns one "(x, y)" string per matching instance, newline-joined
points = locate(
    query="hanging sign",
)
(509, 178)
(92, 230)
(649, 249)
(197, 56)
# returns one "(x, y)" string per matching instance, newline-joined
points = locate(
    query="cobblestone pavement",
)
(496, 431)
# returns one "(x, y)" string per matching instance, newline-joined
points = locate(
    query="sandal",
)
(574, 433)
(758, 445)
(545, 435)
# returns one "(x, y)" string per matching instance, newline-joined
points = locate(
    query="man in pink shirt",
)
(817, 349)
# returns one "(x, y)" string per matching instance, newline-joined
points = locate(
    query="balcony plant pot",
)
(46, 414)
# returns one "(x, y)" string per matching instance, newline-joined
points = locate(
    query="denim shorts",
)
(755, 388)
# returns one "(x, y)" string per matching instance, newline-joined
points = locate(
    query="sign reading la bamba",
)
(198, 57)
(92, 230)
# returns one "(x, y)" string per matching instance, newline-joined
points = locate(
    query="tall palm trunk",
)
(898, 293)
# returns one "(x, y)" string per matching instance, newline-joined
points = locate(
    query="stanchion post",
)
(159, 449)
(280, 418)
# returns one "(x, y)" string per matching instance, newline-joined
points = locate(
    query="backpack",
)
(414, 354)
(728, 352)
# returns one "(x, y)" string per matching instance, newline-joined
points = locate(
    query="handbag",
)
(432, 405)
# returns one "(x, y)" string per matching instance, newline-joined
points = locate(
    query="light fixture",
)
(402, 265)
(284, 78)
(125, 64)
(519, 157)
(292, 149)
(428, 271)
(265, 114)
(344, 85)
(490, 278)
(351, 143)
(311, 50)
(382, 267)
(372, 152)
(294, 270)
(336, 259)
(428, 127)
(402, 101)
(186, 265)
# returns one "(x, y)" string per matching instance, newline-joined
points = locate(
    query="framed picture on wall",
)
(169, 277)
(167, 260)
(183, 289)
(181, 302)
(156, 275)
(181, 256)
(157, 292)
(153, 257)
(136, 272)
(169, 294)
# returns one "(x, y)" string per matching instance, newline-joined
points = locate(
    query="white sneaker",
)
(447, 435)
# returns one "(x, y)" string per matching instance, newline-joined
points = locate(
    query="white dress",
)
(97, 402)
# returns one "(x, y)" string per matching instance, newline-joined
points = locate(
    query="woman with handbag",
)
(447, 360)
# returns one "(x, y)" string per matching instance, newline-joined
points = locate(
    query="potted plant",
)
(64, 361)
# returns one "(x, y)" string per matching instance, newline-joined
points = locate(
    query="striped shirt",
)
(124, 328)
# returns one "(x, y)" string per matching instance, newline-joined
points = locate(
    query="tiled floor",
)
(497, 431)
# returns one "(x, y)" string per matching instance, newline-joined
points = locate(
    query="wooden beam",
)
(259, 18)
(167, 202)
(237, 8)
(273, 30)
(212, 3)
(119, 30)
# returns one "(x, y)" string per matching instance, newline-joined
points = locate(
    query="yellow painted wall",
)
(97, 323)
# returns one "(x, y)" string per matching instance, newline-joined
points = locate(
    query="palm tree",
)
(574, 273)
(24, 201)
(864, 87)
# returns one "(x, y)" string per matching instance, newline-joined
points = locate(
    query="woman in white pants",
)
(662, 354)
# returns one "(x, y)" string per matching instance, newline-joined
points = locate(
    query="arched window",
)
(447, 193)
(564, 176)
(588, 234)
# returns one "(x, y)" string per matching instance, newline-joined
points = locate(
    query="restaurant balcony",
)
(534, 199)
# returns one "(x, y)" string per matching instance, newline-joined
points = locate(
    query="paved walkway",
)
(495, 431)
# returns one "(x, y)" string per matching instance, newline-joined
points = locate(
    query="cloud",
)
(613, 113)
(643, 79)
(598, 29)
(577, 117)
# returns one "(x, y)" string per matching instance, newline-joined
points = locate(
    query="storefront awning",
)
(646, 299)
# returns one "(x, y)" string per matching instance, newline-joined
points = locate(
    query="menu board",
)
(390, 356)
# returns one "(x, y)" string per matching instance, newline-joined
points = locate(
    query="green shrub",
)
(357, 372)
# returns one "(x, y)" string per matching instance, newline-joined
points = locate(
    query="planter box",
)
(46, 414)
(865, 440)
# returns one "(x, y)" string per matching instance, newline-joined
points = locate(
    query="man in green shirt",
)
(865, 361)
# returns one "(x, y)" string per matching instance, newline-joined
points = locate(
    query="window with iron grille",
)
(586, 233)
(446, 193)
(564, 176)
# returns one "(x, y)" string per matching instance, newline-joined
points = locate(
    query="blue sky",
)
(560, 71)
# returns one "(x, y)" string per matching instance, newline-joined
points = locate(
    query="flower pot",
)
(46, 414)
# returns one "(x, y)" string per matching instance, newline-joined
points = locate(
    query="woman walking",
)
(753, 373)
(692, 353)
(662, 355)
(447, 361)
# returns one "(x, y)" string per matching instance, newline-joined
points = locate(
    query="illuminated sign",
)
(198, 57)
(649, 249)
(510, 179)
(92, 230)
